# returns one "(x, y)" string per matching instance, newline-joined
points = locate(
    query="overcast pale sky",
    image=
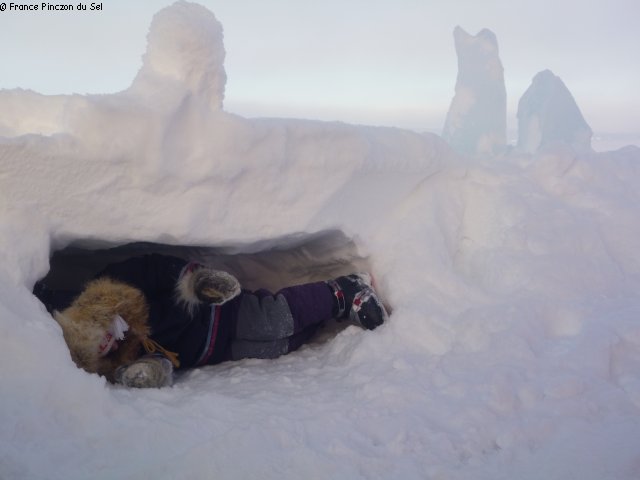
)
(383, 62)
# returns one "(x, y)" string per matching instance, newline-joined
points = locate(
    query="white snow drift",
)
(513, 349)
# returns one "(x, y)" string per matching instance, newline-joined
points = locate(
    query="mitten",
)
(200, 284)
(149, 371)
(215, 286)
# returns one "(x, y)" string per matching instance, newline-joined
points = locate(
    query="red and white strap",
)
(339, 294)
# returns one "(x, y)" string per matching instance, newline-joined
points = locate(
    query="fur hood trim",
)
(85, 322)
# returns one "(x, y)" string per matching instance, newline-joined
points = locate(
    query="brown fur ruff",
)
(85, 322)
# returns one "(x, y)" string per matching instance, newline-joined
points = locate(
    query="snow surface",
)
(513, 349)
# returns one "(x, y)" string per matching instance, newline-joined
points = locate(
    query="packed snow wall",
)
(161, 162)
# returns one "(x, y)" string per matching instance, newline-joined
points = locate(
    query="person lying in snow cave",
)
(139, 319)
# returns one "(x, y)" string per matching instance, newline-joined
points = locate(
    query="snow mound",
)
(548, 115)
(512, 350)
(184, 47)
(477, 118)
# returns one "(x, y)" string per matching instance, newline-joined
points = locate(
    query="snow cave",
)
(513, 349)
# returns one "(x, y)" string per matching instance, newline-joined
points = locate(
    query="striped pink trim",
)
(206, 355)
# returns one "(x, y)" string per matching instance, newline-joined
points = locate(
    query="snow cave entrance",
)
(270, 264)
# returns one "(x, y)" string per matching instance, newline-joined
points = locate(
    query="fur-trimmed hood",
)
(86, 321)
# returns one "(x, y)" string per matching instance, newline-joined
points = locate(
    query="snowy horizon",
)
(513, 346)
(386, 63)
